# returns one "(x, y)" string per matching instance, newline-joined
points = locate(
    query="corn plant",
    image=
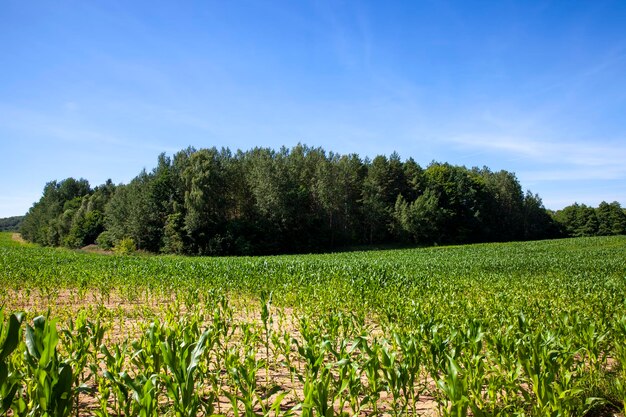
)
(455, 391)
(318, 395)
(82, 339)
(50, 389)
(268, 321)
(181, 383)
(147, 351)
(10, 380)
(112, 381)
(396, 377)
(243, 374)
(371, 368)
(548, 369)
(412, 364)
(620, 350)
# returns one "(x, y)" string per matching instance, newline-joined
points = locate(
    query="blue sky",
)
(97, 89)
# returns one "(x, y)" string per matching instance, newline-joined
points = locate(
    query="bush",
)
(105, 240)
(125, 246)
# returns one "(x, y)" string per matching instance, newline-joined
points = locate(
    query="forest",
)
(303, 199)
(11, 224)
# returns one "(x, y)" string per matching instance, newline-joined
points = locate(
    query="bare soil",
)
(128, 320)
(18, 238)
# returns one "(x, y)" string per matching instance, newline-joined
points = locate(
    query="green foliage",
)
(263, 201)
(173, 234)
(10, 381)
(11, 224)
(535, 329)
(125, 246)
(51, 392)
(419, 220)
(105, 240)
(581, 220)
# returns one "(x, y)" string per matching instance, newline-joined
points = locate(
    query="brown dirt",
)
(18, 238)
(96, 249)
(128, 320)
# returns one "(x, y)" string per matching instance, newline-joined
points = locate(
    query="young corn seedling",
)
(548, 369)
(112, 382)
(347, 385)
(148, 354)
(396, 377)
(455, 391)
(593, 340)
(412, 359)
(281, 343)
(10, 380)
(243, 376)
(371, 367)
(620, 353)
(481, 389)
(504, 355)
(144, 394)
(268, 321)
(318, 395)
(50, 390)
(81, 341)
(181, 382)
(312, 349)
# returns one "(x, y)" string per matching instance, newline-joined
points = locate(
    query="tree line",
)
(303, 199)
(580, 220)
(10, 224)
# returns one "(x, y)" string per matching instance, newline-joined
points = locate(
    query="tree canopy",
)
(11, 224)
(304, 199)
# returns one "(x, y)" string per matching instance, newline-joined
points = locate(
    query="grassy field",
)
(534, 329)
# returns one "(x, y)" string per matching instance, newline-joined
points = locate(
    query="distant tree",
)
(611, 219)
(578, 220)
(131, 213)
(581, 220)
(205, 191)
(302, 199)
(503, 209)
(11, 224)
(50, 219)
(420, 220)
(173, 234)
(461, 197)
(415, 181)
(351, 172)
(378, 197)
(538, 224)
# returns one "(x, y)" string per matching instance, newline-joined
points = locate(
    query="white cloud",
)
(569, 155)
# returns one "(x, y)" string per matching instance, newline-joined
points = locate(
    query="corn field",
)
(516, 329)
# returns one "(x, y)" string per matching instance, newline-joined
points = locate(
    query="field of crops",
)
(534, 329)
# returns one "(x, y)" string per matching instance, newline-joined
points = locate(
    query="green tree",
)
(380, 191)
(205, 208)
(503, 210)
(420, 220)
(461, 196)
(538, 224)
(611, 219)
(50, 219)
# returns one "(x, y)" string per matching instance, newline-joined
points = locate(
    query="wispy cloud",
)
(607, 156)
(51, 126)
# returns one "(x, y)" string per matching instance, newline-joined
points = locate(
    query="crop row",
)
(535, 329)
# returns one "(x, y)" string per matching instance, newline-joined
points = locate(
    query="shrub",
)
(105, 240)
(125, 246)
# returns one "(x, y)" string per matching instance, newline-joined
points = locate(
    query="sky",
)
(98, 89)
